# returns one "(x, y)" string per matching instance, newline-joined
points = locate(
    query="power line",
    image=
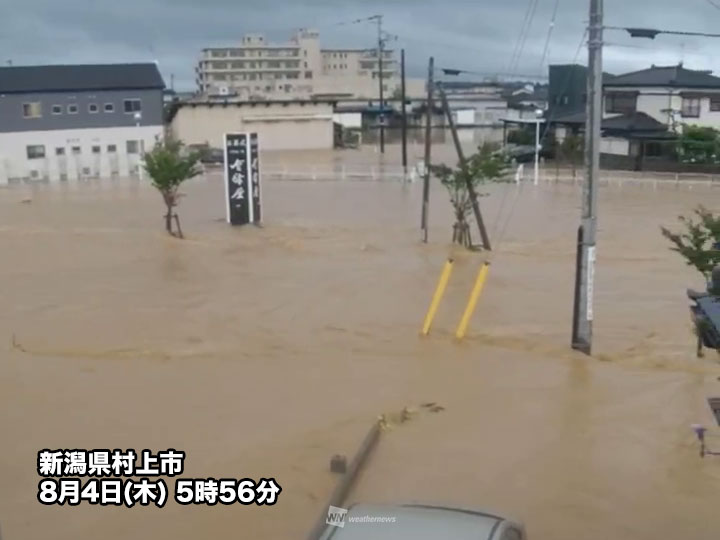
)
(527, 32)
(549, 35)
(651, 33)
(713, 4)
(523, 26)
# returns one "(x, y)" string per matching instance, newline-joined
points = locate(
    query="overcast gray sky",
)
(478, 35)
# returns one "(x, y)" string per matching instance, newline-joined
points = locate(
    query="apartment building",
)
(71, 122)
(300, 68)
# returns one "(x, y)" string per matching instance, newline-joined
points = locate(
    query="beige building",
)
(300, 68)
(280, 125)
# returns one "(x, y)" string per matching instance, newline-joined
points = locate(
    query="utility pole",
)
(380, 78)
(585, 270)
(463, 164)
(404, 113)
(428, 147)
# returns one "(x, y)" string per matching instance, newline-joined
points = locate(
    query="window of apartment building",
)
(93, 108)
(32, 109)
(238, 65)
(219, 54)
(132, 147)
(60, 151)
(621, 102)
(252, 76)
(76, 150)
(72, 108)
(305, 64)
(308, 74)
(715, 103)
(132, 105)
(690, 107)
(220, 77)
(35, 151)
(57, 109)
(95, 149)
(109, 108)
(219, 65)
(111, 148)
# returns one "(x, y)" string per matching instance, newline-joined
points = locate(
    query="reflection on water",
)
(262, 352)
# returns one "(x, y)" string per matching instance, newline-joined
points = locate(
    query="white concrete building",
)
(281, 125)
(60, 123)
(300, 68)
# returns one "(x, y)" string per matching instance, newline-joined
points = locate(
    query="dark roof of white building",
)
(80, 77)
(667, 76)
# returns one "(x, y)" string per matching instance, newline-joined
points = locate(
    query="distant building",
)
(280, 124)
(77, 121)
(300, 68)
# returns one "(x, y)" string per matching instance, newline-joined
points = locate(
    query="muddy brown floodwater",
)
(262, 352)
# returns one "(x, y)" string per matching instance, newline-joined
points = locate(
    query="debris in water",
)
(26, 201)
(437, 408)
(428, 405)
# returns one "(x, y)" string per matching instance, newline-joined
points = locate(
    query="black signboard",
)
(237, 183)
(256, 208)
(242, 178)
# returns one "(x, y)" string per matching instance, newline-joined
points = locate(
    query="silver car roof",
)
(413, 522)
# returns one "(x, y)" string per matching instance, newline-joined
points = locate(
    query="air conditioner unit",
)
(224, 91)
(34, 175)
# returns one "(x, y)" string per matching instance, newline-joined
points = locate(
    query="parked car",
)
(208, 155)
(418, 522)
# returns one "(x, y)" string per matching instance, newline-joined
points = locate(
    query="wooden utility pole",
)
(404, 113)
(463, 164)
(428, 148)
(584, 290)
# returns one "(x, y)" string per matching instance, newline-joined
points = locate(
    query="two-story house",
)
(70, 122)
(645, 108)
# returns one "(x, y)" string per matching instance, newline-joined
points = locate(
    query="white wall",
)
(614, 145)
(657, 102)
(349, 120)
(465, 117)
(288, 126)
(14, 163)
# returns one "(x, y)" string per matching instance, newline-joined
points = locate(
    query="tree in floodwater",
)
(699, 243)
(169, 165)
(487, 165)
(572, 149)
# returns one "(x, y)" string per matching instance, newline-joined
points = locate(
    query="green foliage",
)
(487, 165)
(699, 144)
(697, 243)
(572, 147)
(523, 137)
(169, 165)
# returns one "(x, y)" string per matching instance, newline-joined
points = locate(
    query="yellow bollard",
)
(472, 301)
(437, 297)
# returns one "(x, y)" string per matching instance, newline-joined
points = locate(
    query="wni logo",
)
(336, 516)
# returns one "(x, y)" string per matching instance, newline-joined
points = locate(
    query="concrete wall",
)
(12, 120)
(290, 126)
(67, 163)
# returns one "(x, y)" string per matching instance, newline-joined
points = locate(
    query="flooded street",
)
(262, 352)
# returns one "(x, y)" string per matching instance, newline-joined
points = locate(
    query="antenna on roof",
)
(9, 62)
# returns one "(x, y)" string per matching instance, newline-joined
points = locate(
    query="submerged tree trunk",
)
(168, 220)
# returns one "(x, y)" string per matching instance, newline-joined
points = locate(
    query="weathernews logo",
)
(337, 518)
